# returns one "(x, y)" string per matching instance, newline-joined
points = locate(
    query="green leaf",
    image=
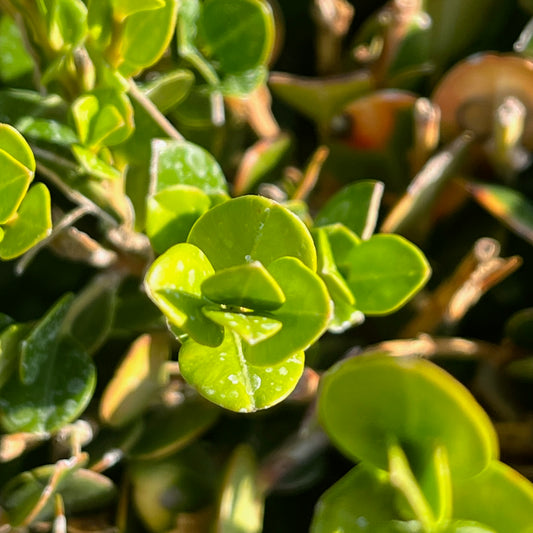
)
(57, 379)
(241, 501)
(248, 44)
(93, 165)
(11, 339)
(67, 23)
(125, 8)
(304, 315)
(248, 285)
(253, 328)
(184, 163)
(16, 179)
(243, 83)
(174, 282)
(509, 206)
(81, 491)
(499, 497)
(342, 242)
(43, 340)
(103, 117)
(356, 206)
(15, 61)
(145, 37)
(345, 313)
(252, 228)
(365, 400)
(320, 99)
(136, 381)
(47, 130)
(224, 376)
(363, 500)
(171, 213)
(31, 224)
(169, 89)
(14, 144)
(171, 429)
(385, 272)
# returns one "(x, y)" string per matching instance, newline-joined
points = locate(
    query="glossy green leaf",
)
(363, 500)
(241, 502)
(243, 83)
(508, 205)
(91, 317)
(356, 206)
(171, 213)
(170, 429)
(169, 89)
(32, 223)
(145, 37)
(253, 24)
(174, 283)
(67, 23)
(225, 377)
(136, 381)
(11, 339)
(260, 161)
(345, 312)
(47, 130)
(304, 315)
(342, 242)
(103, 117)
(253, 328)
(16, 179)
(185, 163)
(125, 8)
(81, 490)
(15, 61)
(499, 497)
(5, 321)
(43, 340)
(249, 285)
(23, 494)
(252, 228)
(365, 399)
(14, 144)
(385, 272)
(93, 165)
(320, 99)
(57, 378)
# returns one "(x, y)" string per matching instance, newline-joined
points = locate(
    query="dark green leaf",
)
(15, 61)
(251, 23)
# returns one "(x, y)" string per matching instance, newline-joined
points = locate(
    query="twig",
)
(152, 110)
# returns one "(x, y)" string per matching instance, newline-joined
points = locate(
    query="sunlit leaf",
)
(252, 228)
(364, 400)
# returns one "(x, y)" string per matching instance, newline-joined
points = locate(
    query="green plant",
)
(177, 282)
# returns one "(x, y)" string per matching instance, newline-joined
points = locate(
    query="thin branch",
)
(152, 110)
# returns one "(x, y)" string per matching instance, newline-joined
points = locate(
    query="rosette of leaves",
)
(428, 453)
(365, 274)
(243, 296)
(24, 211)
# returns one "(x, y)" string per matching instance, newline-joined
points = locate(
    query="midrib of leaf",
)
(244, 369)
(229, 35)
